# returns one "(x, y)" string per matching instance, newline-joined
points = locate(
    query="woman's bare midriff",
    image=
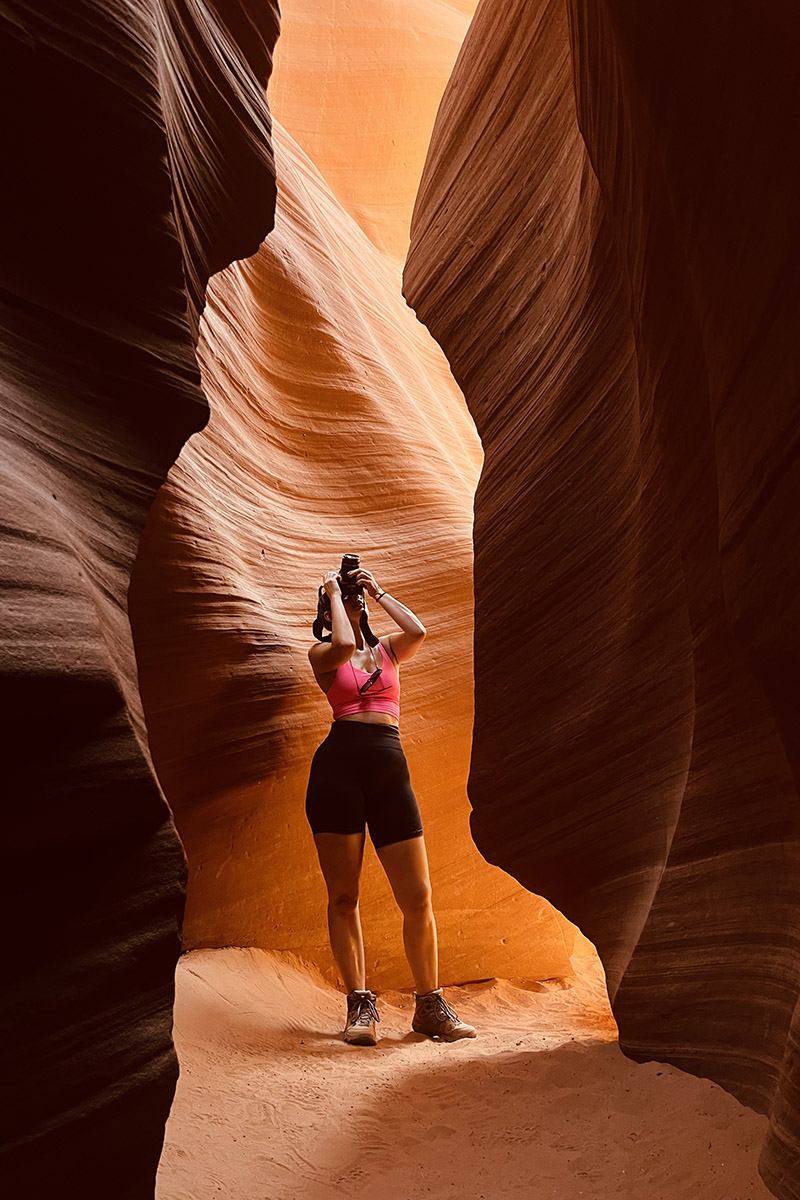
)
(371, 718)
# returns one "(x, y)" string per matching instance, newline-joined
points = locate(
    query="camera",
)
(349, 563)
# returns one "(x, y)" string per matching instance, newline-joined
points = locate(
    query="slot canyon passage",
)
(604, 246)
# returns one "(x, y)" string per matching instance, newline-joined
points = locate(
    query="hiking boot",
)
(361, 1017)
(435, 1017)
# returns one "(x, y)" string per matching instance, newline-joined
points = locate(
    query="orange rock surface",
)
(335, 426)
(604, 244)
(357, 85)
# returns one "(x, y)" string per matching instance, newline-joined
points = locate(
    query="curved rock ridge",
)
(335, 425)
(603, 246)
(112, 202)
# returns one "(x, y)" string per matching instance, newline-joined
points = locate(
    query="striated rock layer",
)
(357, 85)
(136, 161)
(604, 245)
(335, 425)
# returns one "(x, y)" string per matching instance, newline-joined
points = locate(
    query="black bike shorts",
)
(359, 776)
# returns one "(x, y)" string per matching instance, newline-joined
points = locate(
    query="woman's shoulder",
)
(316, 651)
(386, 642)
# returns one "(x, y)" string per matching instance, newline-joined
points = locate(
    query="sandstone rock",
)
(120, 174)
(603, 247)
(357, 86)
(335, 425)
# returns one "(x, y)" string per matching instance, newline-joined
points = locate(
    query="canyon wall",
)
(136, 160)
(335, 426)
(605, 244)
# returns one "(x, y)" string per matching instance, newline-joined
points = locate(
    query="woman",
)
(359, 777)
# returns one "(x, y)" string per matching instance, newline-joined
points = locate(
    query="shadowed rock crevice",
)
(112, 202)
(602, 247)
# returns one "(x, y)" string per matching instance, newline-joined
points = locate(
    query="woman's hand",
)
(366, 580)
(330, 582)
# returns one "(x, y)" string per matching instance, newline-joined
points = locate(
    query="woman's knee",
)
(416, 901)
(343, 901)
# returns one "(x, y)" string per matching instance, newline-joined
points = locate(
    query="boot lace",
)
(443, 1009)
(366, 1011)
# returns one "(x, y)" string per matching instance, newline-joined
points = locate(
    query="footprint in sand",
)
(438, 1131)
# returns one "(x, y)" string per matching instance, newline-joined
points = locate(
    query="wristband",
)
(379, 596)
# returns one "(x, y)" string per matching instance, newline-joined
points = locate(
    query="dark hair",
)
(323, 606)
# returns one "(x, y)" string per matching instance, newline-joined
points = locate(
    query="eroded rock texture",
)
(357, 85)
(335, 425)
(136, 160)
(604, 245)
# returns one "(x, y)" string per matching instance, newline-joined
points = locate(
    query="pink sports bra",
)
(383, 696)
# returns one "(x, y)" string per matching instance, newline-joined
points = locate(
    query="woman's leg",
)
(340, 856)
(406, 867)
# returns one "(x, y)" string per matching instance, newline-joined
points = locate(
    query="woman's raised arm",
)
(328, 656)
(406, 644)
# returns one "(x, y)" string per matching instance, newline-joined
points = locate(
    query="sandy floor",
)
(271, 1105)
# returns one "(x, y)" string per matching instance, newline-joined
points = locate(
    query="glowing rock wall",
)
(132, 134)
(357, 85)
(336, 425)
(603, 245)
